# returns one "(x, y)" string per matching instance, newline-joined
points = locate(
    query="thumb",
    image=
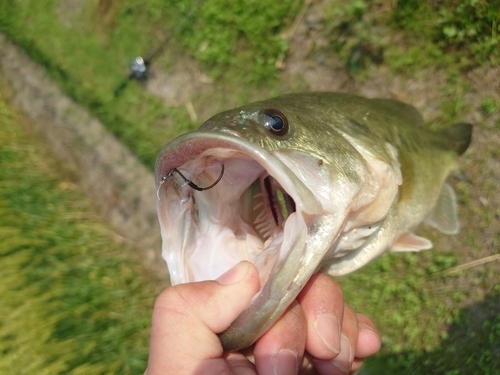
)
(187, 318)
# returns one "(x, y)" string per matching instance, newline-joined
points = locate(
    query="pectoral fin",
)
(411, 242)
(444, 215)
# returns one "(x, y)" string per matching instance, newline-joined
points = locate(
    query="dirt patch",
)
(67, 9)
(178, 87)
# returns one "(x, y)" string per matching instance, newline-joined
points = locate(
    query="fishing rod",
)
(139, 68)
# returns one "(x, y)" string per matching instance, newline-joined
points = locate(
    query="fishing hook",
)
(189, 182)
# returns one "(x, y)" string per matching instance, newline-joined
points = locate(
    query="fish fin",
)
(460, 136)
(444, 215)
(411, 242)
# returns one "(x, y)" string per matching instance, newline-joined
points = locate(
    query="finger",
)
(239, 364)
(280, 349)
(341, 364)
(322, 301)
(186, 319)
(368, 338)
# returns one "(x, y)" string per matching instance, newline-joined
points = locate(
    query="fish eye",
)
(275, 121)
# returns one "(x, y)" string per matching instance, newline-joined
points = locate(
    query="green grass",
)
(243, 34)
(452, 35)
(424, 329)
(467, 30)
(73, 299)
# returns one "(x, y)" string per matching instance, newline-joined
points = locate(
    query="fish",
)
(298, 184)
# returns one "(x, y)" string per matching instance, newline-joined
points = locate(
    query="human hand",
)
(318, 334)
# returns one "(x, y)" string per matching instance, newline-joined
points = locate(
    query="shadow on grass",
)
(472, 347)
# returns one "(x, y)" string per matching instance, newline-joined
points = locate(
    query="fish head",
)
(290, 184)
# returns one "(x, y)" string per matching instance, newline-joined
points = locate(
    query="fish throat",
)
(247, 215)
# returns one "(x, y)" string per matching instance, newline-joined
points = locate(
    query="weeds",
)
(466, 28)
(242, 34)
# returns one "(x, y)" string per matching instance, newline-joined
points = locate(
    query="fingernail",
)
(235, 274)
(343, 361)
(328, 329)
(366, 327)
(285, 363)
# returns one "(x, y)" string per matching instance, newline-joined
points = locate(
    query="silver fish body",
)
(309, 181)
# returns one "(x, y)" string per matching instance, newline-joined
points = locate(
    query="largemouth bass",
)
(298, 184)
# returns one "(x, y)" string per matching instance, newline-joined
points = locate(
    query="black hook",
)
(189, 182)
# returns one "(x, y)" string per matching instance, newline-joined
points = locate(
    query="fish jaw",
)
(205, 233)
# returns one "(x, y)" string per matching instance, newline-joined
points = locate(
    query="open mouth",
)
(254, 212)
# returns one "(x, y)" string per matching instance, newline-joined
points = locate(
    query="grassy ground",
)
(87, 44)
(73, 300)
(431, 323)
(425, 331)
